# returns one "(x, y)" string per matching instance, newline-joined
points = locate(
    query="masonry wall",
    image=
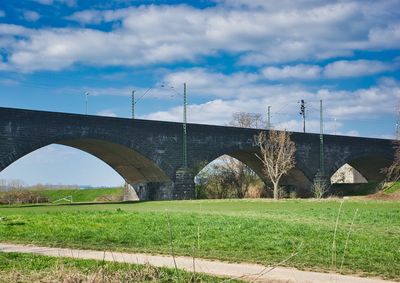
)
(150, 152)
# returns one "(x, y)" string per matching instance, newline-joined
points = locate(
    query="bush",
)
(109, 198)
(319, 188)
(21, 197)
(256, 189)
(228, 178)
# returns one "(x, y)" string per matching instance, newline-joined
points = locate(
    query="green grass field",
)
(260, 231)
(79, 195)
(34, 268)
(66, 195)
(392, 188)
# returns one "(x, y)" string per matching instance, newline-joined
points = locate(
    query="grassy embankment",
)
(81, 195)
(62, 195)
(392, 188)
(258, 231)
(34, 268)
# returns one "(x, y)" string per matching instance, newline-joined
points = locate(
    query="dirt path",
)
(242, 271)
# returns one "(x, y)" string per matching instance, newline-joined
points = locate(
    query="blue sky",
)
(235, 55)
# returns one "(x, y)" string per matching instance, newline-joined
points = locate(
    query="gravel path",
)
(244, 271)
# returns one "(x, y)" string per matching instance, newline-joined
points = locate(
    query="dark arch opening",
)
(371, 167)
(227, 176)
(131, 165)
(134, 168)
(61, 165)
(296, 183)
(363, 175)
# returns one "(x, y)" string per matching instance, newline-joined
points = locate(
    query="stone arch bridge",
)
(150, 152)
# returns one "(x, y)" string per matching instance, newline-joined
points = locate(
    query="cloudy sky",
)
(234, 55)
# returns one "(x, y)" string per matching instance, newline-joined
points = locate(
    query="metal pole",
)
(335, 126)
(397, 137)
(303, 113)
(269, 118)
(184, 128)
(133, 104)
(86, 102)
(321, 138)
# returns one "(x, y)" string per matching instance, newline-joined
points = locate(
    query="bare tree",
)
(246, 120)
(277, 155)
(393, 171)
(241, 175)
(228, 177)
(319, 188)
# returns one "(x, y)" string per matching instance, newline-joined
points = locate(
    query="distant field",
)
(66, 195)
(81, 195)
(260, 231)
(34, 268)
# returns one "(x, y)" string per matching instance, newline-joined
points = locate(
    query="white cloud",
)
(31, 16)
(385, 37)
(215, 112)
(292, 72)
(204, 83)
(70, 3)
(355, 68)
(362, 104)
(151, 34)
(219, 112)
(337, 69)
(14, 30)
(107, 113)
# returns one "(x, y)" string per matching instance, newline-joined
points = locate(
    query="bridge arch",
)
(248, 183)
(369, 165)
(132, 165)
(298, 178)
(57, 164)
(247, 157)
(297, 181)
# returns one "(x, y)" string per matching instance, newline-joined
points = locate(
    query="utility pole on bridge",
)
(321, 182)
(184, 127)
(133, 104)
(303, 113)
(321, 139)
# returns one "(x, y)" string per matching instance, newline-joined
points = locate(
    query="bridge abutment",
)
(181, 188)
(184, 184)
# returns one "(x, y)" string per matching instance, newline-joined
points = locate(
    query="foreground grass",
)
(34, 268)
(258, 231)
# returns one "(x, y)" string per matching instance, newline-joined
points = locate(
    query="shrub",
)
(319, 188)
(21, 197)
(255, 191)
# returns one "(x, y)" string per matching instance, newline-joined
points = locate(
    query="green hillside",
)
(83, 195)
